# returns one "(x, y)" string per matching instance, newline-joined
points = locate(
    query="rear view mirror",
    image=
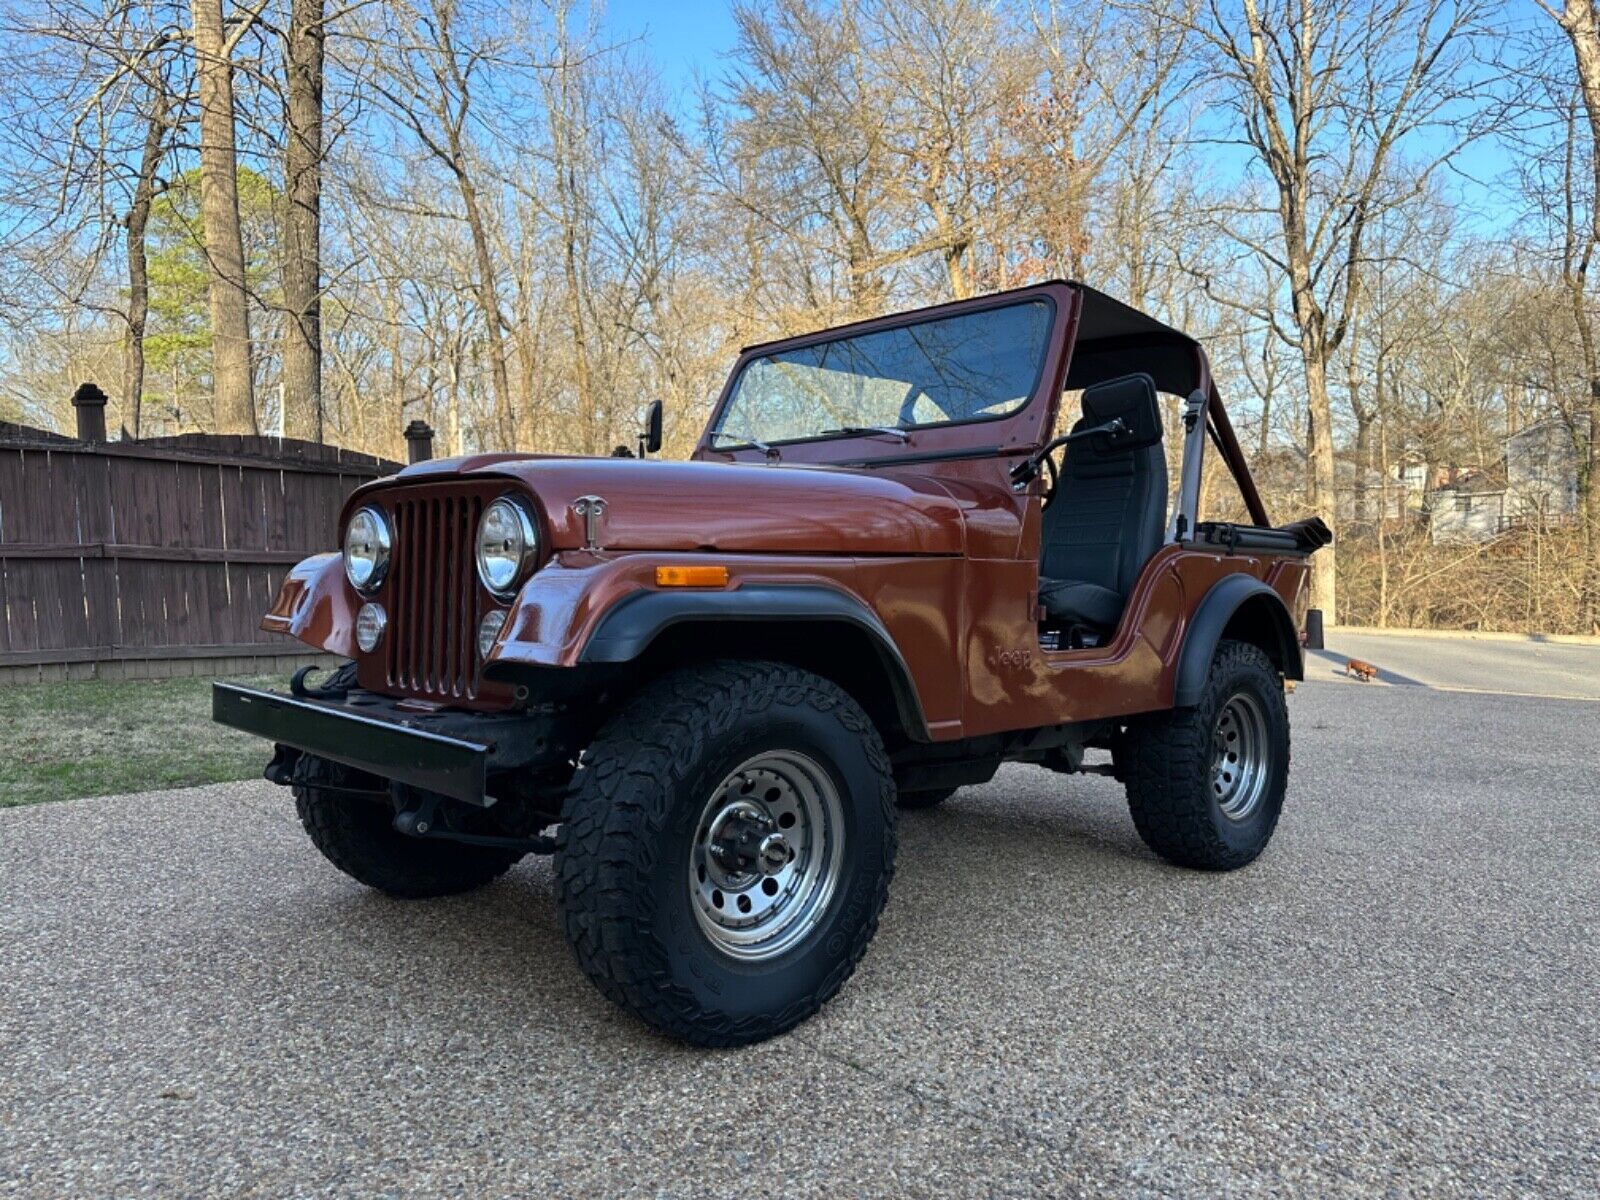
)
(650, 435)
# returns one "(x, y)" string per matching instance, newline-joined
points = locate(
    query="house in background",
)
(1536, 484)
(1360, 494)
(1542, 471)
(1469, 507)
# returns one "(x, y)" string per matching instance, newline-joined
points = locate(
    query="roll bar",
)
(1204, 416)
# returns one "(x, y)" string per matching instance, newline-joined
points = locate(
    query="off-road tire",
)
(1166, 761)
(357, 835)
(928, 799)
(622, 862)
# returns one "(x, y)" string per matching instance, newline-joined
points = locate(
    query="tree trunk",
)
(1319, 479)
(580, 340)
(1363, 465)
(302, 224)
(138, 219)
(564, 110)
(488, 287)
(1582, 28)
(232, 380)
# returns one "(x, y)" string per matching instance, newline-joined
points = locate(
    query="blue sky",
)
(690, 38)
(682, 36)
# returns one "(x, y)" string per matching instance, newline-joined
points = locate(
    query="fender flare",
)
(1216, 609)
(627, 629)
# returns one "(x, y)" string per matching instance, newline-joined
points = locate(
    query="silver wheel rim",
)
(766, 855)
(1240, 757)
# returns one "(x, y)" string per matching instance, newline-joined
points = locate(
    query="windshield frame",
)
(1060, 298)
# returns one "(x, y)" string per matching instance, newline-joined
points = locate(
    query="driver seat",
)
(1108, 513)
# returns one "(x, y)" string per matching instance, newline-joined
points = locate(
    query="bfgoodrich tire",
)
(1206, 784)
(357, 835)
(726, 850)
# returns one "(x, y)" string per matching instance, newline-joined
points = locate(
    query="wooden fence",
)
(157, 557)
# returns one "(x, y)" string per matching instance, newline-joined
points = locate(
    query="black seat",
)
(1109, 511)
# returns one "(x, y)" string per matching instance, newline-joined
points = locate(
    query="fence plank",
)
(165, 549)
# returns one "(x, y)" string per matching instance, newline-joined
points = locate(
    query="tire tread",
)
(616, 817)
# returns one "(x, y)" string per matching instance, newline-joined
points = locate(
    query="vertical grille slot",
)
(433, 598)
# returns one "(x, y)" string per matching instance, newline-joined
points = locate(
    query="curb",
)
(1470, 635)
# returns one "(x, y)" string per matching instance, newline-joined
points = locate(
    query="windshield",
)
(963, 368)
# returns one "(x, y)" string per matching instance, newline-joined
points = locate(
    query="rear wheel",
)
(727, 849)
(1206, 784)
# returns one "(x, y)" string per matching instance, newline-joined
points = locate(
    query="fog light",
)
(493, 622)
(370, 623)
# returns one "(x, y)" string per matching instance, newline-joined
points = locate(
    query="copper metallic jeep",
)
(706, 686)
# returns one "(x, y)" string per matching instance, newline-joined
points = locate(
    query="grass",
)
(60, 741)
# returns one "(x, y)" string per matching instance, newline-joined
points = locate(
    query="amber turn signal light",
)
(691, 576)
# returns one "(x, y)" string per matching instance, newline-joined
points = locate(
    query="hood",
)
(731, 507)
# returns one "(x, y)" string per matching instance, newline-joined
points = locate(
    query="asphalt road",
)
(1399, 998)
(1482, 663)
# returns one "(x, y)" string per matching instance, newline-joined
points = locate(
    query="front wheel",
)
(727, 849)
(1206, 784)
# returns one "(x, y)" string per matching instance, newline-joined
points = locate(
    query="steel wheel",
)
(1239, 757)
(766, 855)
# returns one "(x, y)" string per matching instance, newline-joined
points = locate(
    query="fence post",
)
(419, 442)
(90, 403)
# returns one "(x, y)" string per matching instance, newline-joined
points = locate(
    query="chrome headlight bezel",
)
(504, 585)
(382, 542)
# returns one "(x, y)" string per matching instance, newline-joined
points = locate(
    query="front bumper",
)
(449, 753)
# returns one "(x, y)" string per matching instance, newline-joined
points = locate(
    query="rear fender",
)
(1244, 608)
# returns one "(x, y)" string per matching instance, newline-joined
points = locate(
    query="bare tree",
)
(1578, 20)
(804, 129)
(158, 129)
(429, 88)
(233, 372)
(1326, 94)
(302, 219)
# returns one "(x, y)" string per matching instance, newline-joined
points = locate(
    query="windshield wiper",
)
(746, 440)
(887, 430)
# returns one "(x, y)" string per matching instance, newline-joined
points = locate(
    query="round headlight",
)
(507, 545)
(366, 549)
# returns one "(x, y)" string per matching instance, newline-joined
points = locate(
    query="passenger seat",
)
(1109, 510)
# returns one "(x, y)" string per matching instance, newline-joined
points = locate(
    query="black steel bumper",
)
(377, 742)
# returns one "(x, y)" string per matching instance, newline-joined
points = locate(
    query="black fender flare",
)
(626, 629)
(1274, 631)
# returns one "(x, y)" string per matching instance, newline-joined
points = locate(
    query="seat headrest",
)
(1131, 397)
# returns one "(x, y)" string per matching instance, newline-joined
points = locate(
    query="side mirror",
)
(650, 435)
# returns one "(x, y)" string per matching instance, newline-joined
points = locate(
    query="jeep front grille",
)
(433, 591)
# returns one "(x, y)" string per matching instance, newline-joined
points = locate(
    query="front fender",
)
(583, 610)
(314, 605)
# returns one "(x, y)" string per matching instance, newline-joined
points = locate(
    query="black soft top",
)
(1115, 339)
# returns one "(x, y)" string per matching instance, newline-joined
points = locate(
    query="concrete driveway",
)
(1399, 997)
